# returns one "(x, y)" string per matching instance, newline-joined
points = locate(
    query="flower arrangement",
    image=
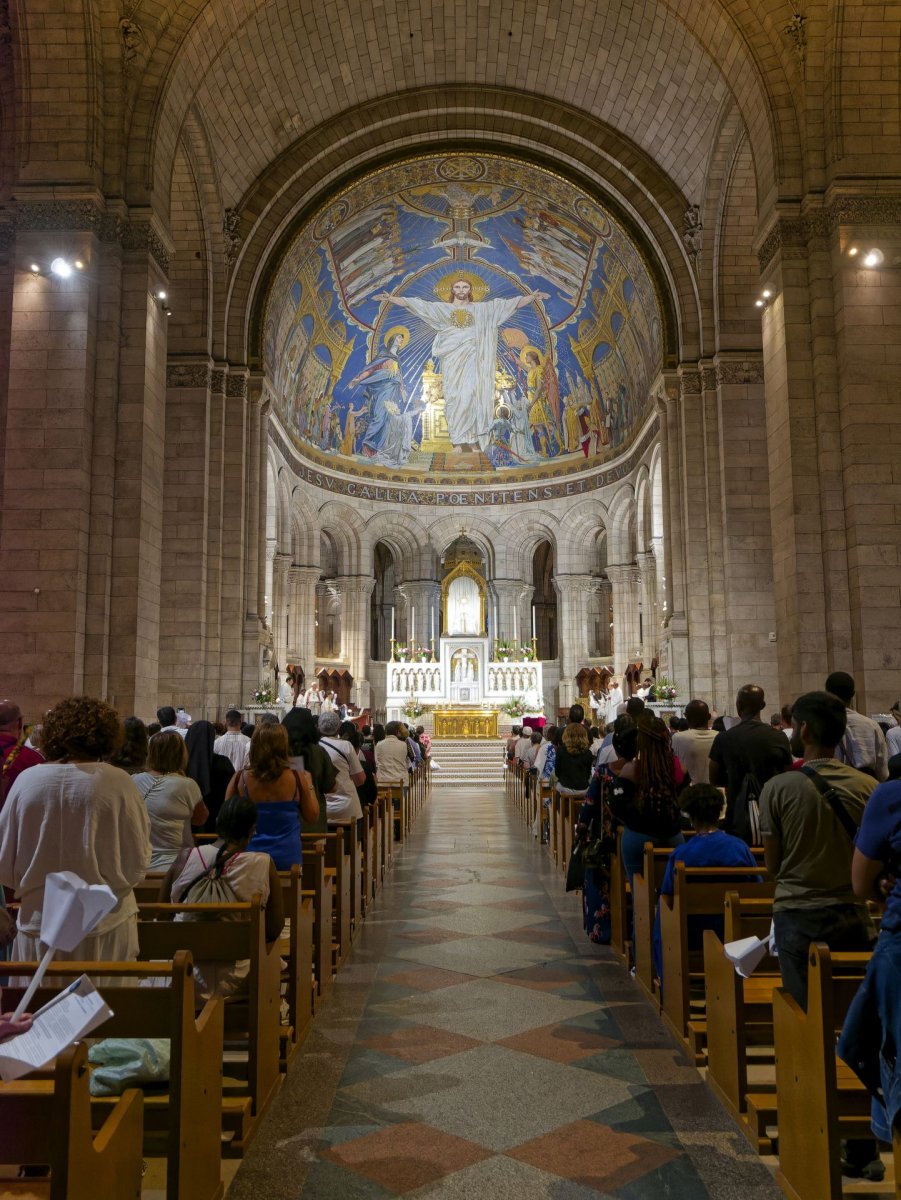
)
(400, 653)
(263, 695)
(665, 689)
(502, 648)
(526, 653)
(413, 708)
(515, 706)
(423, 654)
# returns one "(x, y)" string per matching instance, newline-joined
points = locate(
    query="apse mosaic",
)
(462, 314)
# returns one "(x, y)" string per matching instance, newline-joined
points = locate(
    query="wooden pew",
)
(338, 868)
(386, 821)
(230, 933)
(698, 892)
(620, 903)
(42, 1125)
(184, 1121)
(319, 887)
(820, 1100)
(396, 797)
(297, 951)
(545, 813)
(739, 1018)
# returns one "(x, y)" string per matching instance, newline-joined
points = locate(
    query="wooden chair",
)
(231, 933)
(820, 1100)
(183, 1121)
(51, 1124)
(698, 892)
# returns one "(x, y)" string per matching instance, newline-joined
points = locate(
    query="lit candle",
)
(515, 629)
(432, 624)
(533, 623)
(392, 622)
(412, 625)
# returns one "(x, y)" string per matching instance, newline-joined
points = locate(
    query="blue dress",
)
(278, 830)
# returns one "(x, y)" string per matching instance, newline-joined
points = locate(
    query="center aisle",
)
(476, 1045)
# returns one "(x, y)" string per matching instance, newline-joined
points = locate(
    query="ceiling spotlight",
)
(36, 270)
(168, 312)
(852, 251)
(873, 258)
(766, 293)
(161, 295)
(60, 267)
(79, 265)
(759, 303)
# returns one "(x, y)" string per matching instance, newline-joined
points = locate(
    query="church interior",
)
(453, 364)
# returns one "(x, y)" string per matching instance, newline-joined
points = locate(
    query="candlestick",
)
(412, 624)
(515, 629)
(432, 625)
(533, 623)
(392, 625)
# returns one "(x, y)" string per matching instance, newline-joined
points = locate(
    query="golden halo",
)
(393, 332)
(477, 285)
(531, 350)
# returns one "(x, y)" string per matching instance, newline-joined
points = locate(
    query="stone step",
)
(468, 764)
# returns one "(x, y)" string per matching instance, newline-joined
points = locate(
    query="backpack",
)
(209, 887)
(746, 811)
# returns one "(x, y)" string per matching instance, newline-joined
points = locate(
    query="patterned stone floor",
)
(476, 1045)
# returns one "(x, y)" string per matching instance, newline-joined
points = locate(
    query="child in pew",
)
(245, 873)
(703, 805)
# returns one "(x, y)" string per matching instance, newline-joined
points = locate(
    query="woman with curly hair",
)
(76, 813)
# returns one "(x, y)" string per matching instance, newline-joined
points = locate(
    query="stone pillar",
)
(509, 593)
(600, 632)
(302, 583)
(675, 624)
(624, 581)
(572, 592)
(356, 591)
(423, 595)
(281, 610)
(650, 621)
(524, 614)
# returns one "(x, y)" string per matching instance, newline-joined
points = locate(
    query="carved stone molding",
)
(233, 239)
(141, 235)
(690, 383)
(218, 381)
(746, 371)
(236, 387)
(792, 234)
(708, 379)
(188, 375)
(89, 216)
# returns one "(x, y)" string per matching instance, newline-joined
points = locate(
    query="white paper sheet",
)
(71, 909)
(746, 954)
(63, 1020)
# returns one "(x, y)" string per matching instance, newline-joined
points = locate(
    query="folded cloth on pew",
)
(122, 1063)
(871, 1035)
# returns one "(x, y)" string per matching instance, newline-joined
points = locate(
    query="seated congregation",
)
(745, 873)
(244, 862)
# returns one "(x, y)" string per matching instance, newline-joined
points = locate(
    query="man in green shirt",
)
(807, 848)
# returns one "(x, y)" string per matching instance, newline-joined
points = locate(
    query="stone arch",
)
(518, 538)
(340, 523)
(642, 485)
(622, 526)
(446, 530)
(283, 506)
(736, 270)
(305, 529)
(580, 551)
(408, 540)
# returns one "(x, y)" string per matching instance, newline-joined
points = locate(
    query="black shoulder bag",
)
(832, 798)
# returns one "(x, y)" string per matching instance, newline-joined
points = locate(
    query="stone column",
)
(650, 621)
(356, 591)
(624, 580)
(573, 592)
(423, 595)
(302, 583)
(281, 610)
(675, 624)
(602, 634)
(524, 614)
(509, 596)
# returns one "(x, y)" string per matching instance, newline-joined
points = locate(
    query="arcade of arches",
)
(343, 292)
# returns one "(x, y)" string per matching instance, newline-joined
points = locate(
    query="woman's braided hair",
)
(655, 768)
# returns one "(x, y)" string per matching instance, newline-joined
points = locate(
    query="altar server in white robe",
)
(614, 700)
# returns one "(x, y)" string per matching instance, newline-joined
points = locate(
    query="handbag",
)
(575, 871)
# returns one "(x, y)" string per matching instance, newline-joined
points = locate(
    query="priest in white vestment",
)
(614, 700)
(466, 336)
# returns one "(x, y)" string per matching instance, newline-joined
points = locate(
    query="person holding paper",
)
(76, 813)
(702, 803)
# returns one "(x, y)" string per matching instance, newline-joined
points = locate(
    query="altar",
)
(467, 675)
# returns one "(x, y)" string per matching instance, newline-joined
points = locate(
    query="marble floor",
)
(476, 1045)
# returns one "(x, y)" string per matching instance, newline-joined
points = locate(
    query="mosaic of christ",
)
(464, 314)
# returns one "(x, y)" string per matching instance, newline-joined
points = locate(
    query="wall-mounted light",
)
(852, 251)
(766, 293)
(61, 267)
(35, 268)
(759, 303)
(873, 258)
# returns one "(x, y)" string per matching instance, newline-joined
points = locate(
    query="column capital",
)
(360, 585)
(619, 573)
(570, 585)
(303, 574)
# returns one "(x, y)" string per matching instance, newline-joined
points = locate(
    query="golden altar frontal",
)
(473, 723)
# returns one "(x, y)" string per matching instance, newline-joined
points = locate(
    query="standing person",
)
(809, 820)
(344, 799)
(692, 746)
(76, 813)
(211, 772)
(391, 755)
(173, 801)
(808, 843)
(749, 748)
(614, 700)
(308, 755)
(643, 796)
(15, 756)
(368, 789)
(233, 744)
(863, 745)
(281, 795)
(131, 756)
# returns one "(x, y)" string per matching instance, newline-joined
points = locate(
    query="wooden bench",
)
(230, 933)
(395, 796)
(739, 1021)
(182, 1121)
(298, 976)
(820, 1100)
(44, 1124)
(620, 903)
(319, 888)
(698, 892)
(338, 868)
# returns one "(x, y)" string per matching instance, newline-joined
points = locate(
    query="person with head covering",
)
(307, 755)
(15, 756)
(211, 772)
